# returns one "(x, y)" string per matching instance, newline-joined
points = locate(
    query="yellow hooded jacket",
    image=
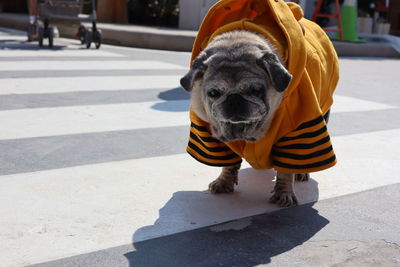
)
(297, 140)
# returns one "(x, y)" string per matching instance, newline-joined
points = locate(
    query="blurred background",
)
(374, 16)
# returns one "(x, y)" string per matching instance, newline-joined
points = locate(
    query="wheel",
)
(51, 39)
(82, 34)
(51, 36)
(30, 38)
(88, 38)
(40, 37)
(32, 32)
(97, 39)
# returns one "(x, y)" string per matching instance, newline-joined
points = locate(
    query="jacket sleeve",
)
(206, 149)
(306, 149)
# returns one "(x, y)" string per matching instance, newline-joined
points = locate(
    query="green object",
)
(349, 25)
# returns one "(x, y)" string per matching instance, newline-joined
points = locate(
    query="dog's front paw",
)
(302, 177)
(221, 186)
(284, 199)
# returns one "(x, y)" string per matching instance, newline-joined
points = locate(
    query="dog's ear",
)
(196, 72)
(279, 76)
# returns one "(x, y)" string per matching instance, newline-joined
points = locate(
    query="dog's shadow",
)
(246, 242)
(171, 105)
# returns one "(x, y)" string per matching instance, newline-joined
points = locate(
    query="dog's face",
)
(236, 86)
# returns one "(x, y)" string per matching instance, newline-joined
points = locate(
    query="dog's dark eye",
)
(256, 91)
(214, 93)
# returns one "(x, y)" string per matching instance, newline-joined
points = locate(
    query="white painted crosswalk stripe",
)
(85, 84)
(28, 123)
(86, 65)
(14, 38)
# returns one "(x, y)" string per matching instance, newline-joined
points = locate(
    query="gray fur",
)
(246, 73)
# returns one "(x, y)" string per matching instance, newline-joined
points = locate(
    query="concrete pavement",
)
(92, 160)
(182, 40)
(345, 231)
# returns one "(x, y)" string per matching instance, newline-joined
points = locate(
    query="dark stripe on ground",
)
(87, 73)
(357, 122)
(65, 58)
(54, 152)
(23, 101)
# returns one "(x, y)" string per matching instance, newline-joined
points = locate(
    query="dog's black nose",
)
(236, 108)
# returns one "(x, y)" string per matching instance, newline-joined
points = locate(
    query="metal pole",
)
(94, 15)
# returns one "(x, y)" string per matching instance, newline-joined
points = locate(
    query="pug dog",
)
(237, 83)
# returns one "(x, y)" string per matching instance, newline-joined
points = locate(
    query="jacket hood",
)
(276, 20)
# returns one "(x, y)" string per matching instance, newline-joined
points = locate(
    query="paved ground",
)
(93, 170)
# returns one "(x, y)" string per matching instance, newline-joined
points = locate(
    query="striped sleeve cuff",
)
(306, 149)
(208, 150)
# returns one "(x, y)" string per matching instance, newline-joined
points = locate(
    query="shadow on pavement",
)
(245, 242)
(172, 95)
(177, 93)
(13, 44)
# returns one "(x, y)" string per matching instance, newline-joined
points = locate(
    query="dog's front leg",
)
(226, 181)
(283, 193)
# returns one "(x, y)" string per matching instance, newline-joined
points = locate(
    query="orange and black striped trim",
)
(202, 141)
(321, 141)
(307, 166)
(311, 123)
(199, 128)
(305, 156)
(209, 150)
(306, 149)
(210, 155)
(218, 164)
(305, 135)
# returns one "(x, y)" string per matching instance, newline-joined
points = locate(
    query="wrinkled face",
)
(236, 100)
(236, 86)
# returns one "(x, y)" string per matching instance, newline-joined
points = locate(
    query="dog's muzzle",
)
(236, 109)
